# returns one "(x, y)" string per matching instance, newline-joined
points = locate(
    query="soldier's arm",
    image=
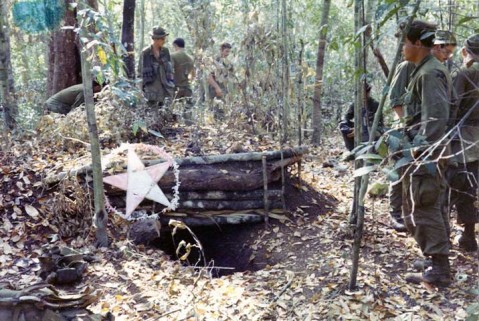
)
(398, 89)
(459, 81)
(212, 82)
(435, 105)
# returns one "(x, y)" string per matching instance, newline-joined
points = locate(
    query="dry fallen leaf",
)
(31, 211)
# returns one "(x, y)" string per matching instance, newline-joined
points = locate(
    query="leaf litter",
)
(309, 249)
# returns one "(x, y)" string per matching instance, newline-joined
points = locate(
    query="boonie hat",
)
(444, 37)
(158, 33)
(472, 44)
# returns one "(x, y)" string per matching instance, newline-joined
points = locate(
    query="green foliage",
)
(139, 124)
(473, 312)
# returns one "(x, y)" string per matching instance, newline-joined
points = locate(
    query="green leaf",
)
(382, 149)
(391, 174)
(364, 170)
(155, 133)
(135, 128)
(362, 29)
(402, 162)
(370, 156)
(394, 143)
(465, 19)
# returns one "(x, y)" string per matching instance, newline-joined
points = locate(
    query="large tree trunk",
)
(128, 37)
(317, 119)
(6, 74)
(64, 59)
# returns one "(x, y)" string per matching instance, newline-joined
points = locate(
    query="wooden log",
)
(225, 205)
(145, 231)
(239, 157)
(212, 195)
(209, 177)
(296, 153)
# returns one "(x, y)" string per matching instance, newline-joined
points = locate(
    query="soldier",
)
(444, 45)
(218, 79)
(426, 108)
(463, 178)
(443, 49)
(158, 79)
(346, 126)
(67, 99)
(184, 71)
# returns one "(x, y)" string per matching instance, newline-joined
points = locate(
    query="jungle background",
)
(297, 69)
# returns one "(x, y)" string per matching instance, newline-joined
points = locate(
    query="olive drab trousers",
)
(423, 209)
(463, 180)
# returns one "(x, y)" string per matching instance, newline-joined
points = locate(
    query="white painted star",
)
(140, 182)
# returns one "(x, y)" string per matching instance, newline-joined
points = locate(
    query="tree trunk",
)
(6, 73)
(317, 118)
(100, 218)
(128, 37)
(64, 59)
(142, 43)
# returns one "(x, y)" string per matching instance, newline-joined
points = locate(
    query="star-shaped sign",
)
(140, 182)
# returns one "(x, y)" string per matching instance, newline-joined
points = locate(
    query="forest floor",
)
(295, 268)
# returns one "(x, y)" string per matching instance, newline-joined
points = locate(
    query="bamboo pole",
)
(100, 217)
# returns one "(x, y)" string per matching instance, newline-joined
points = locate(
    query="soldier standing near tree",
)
(184, 71)
(426, 112)
(223, 68)
(158, 79)
(464, 176)
(444, 46)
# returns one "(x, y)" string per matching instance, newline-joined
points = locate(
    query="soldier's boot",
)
(397, 223)
(468, 241)
(439, 274)
(422, 264)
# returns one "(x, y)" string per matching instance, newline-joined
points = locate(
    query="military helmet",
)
(472, 44)
(444, 37)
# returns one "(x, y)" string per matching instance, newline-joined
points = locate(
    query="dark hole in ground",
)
(235, 248)
(227, 248)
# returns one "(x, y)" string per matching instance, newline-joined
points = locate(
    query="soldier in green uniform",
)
(184, 71)
(463, 178)
(218, 79)
(426, 107)
(158, 78)
(444, 46)
(67, 99)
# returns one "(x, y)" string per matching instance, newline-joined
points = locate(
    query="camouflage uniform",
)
(157, 76)
(426, 108)
(463, 178)
(65, 100)
(223, 68)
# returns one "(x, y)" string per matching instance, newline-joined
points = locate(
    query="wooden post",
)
(265, 187)
(101, 217)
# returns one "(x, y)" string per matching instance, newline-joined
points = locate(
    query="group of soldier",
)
(165, 77)
(439, 118)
